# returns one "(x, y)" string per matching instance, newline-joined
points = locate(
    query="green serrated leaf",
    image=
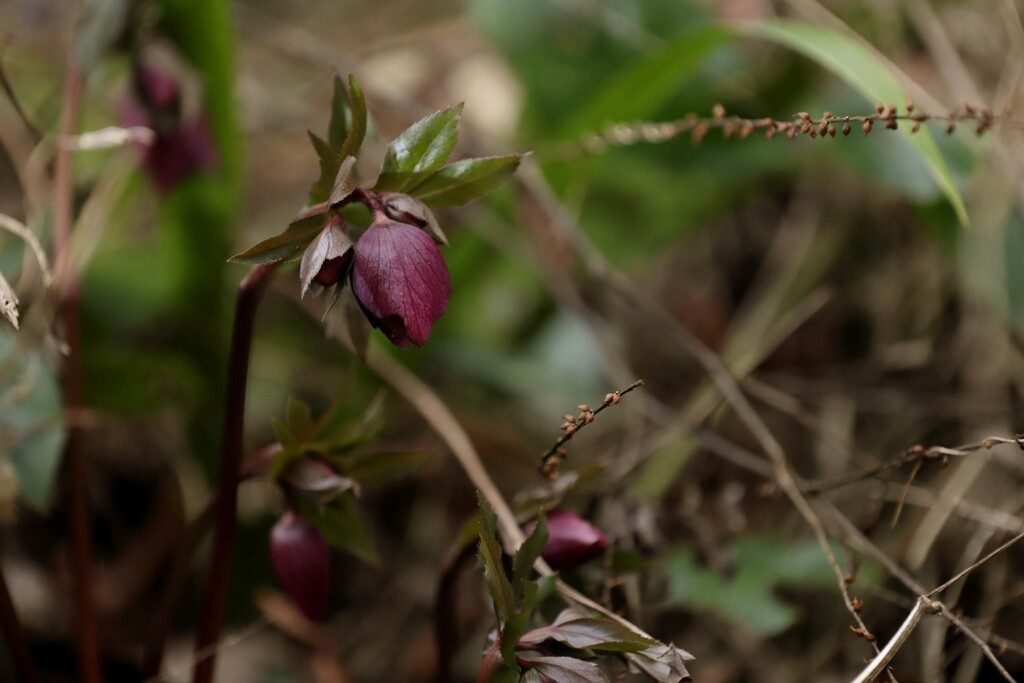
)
(510, 632)
(421, 149)
(529, 551)
(341, 115)
(341, 526)
(861, 69)
(494, 569)
(357, 130)
(300, 419)
(283, 247)
(330, 160)
(463, 181)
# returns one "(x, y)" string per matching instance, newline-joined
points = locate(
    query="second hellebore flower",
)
(572, 540)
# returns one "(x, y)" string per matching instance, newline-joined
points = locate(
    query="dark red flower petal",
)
(302, 562)
(572, 540)
(400, 280)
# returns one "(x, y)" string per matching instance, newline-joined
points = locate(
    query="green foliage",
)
(748, 598)
(32, 431)
(419, 150)
(463, 181)
(863, 70)
(321, 467)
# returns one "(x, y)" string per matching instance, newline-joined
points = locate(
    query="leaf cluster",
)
(322, 469)
(414, 164)
(565, 650)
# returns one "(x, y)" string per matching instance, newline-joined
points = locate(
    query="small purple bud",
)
(400, 280)
(302, 562)
(328, 257)
(572, 540)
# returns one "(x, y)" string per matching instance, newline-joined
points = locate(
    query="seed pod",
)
(892, 124)
(846, 129)
(867, 127)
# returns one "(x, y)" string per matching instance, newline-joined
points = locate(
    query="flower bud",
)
(302, 562)
(572, 540)
(400, 280)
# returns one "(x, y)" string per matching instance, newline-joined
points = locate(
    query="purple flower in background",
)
(400, 280)
(572, 540)
(302, 562)
(182, 145)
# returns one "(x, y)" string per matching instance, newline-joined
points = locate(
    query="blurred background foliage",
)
(836, 277)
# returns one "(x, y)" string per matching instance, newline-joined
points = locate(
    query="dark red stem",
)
(76, 457)
(15, 637)
(249, 294)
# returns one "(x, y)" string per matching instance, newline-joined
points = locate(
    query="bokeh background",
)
(833, 276)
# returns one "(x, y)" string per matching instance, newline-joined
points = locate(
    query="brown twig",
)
(800, 125)
(574, 423)
(5, 83)
(15, 637)
(912, 455)
(249, 294)
(977, 564)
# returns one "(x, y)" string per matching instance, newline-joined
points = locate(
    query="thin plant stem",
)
(15, 637)
(76, 456)
(250, 292)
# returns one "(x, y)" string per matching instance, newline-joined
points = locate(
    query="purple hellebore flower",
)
(400, 280)
(572, 540)
(302, 562)
(181, 146)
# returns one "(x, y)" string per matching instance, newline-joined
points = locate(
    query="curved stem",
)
(249, 294)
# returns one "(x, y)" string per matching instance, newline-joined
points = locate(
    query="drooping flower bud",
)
(328, 257)
(572, 540)
(302, 562)
(400, 280)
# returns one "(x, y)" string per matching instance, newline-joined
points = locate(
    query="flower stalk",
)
(250, 292)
